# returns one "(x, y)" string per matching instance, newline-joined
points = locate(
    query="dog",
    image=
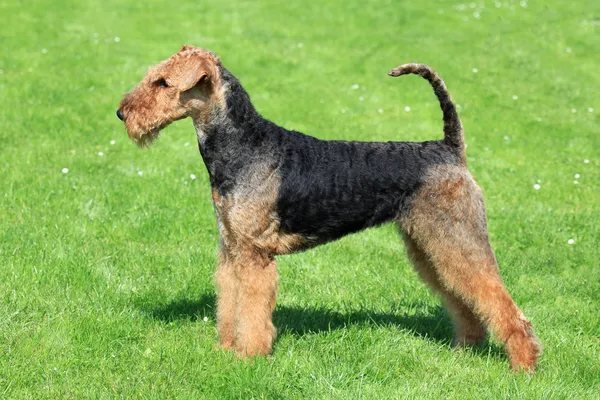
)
(277, 192)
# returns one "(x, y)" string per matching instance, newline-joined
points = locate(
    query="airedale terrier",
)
(277, 191)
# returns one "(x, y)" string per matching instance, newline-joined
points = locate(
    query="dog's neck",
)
(231, 111)
(232, 136)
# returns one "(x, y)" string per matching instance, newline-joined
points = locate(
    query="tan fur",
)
(247, 289)
(448, 239)
(227, 282)
(257, 292)
(184, 97)
(247, 274)
(468, 328)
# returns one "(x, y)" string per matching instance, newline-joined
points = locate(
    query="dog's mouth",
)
(144, 135)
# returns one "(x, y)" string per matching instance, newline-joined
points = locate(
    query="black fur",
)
(328, 188)
(332, 188)
(453, 130)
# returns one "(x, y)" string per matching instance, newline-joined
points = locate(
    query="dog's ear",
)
(190, 69)
(186, 47)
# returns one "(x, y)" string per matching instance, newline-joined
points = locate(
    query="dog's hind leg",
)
(446, 219)
(468, 328)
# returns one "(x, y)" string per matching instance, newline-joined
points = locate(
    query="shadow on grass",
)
(433, 325)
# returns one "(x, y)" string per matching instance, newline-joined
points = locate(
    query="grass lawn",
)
(106, 270)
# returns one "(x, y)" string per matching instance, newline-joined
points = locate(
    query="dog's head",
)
(184, 85)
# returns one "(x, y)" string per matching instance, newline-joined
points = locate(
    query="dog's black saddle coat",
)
(332, 188)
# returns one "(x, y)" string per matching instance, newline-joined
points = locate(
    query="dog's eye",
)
(162, 83)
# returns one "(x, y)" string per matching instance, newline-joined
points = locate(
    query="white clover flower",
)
(475, 70)
(113, 141)
(577, 176)
(44, 51)
(100, 153)
(570, 241)
(355, 86)
(205, 319)
(537, 186)
(380, 110)
(117, 39)
(576, 182)
(192, 176)
(586, 161)
(573, 110)
(140, 173)
(515, 97)
(590, 109)
(407, 108)
(65, 170)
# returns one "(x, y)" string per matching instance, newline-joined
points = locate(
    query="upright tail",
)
(453, 130)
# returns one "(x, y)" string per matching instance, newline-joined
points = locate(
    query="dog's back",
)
(332, 188)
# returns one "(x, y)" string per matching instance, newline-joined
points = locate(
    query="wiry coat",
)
(277, 191)
(327, 188)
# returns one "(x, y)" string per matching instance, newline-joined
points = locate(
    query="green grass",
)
(106, 275)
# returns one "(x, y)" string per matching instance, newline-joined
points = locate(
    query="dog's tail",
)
(453, 130)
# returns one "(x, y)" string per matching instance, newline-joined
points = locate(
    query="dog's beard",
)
(146, 138)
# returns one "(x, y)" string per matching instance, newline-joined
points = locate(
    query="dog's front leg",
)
(227, 292)
(257, 276)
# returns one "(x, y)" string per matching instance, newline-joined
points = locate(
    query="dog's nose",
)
(120, 114)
